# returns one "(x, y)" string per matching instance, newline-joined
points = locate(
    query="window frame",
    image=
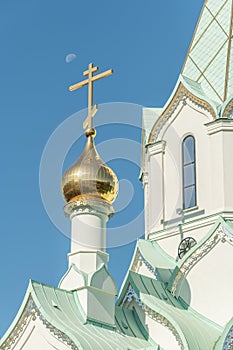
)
(194, 184)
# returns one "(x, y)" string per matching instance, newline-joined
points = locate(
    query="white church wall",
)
(161, 335)
(212, 284)
(189, 121)
(171, 239)
(37, 337)
(214, 170)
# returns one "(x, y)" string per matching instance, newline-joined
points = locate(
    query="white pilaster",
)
(156, 184)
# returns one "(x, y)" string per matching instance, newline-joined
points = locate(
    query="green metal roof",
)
(145, 285)
(195, 331)
(61, 309)
(210, 57)
(155, 255)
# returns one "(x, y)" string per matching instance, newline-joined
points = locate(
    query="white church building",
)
(178, 291)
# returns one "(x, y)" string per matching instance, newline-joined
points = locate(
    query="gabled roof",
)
(210, 57)
(62, 314)
(193, 330)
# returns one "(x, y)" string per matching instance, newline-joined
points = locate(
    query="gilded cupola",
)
(89, 177)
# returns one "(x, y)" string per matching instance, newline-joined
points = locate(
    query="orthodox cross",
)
(89, 81)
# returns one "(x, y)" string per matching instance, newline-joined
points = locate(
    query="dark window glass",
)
(189, 197)
(189, 150)
(189, 172)
(189, 175)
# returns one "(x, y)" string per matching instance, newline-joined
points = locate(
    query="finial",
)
(92, 109)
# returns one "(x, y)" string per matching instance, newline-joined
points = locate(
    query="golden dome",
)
(89, 177)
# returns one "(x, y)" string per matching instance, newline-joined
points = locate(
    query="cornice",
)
(220, 125)
(156, 148)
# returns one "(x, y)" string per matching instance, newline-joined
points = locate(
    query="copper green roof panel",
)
(155, 255)
(210, 57)
(196, 331)
(147, 285)
(62, 311)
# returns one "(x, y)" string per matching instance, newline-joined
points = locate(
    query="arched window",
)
(189, 173)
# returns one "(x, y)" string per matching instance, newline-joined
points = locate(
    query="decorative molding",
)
(182, 95)
(220, 234)
(228, 343)
(157, 317)
(139, 261)
(130, 295)
(32, 312)
(88, 206)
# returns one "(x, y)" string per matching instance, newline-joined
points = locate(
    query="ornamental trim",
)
(182, 95)
(31, 312)
(130, 295)
(220, 234)
(88, 206)
(139, 261)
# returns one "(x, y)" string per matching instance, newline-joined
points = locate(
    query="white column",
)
(88, 233)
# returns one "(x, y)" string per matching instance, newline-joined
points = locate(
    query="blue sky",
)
(145, 42)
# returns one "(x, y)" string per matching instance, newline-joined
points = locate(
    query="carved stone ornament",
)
(219, 235)
(31, 312)
(182, 95)
(157, 317)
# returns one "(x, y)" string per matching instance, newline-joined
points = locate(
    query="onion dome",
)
(89, 177)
